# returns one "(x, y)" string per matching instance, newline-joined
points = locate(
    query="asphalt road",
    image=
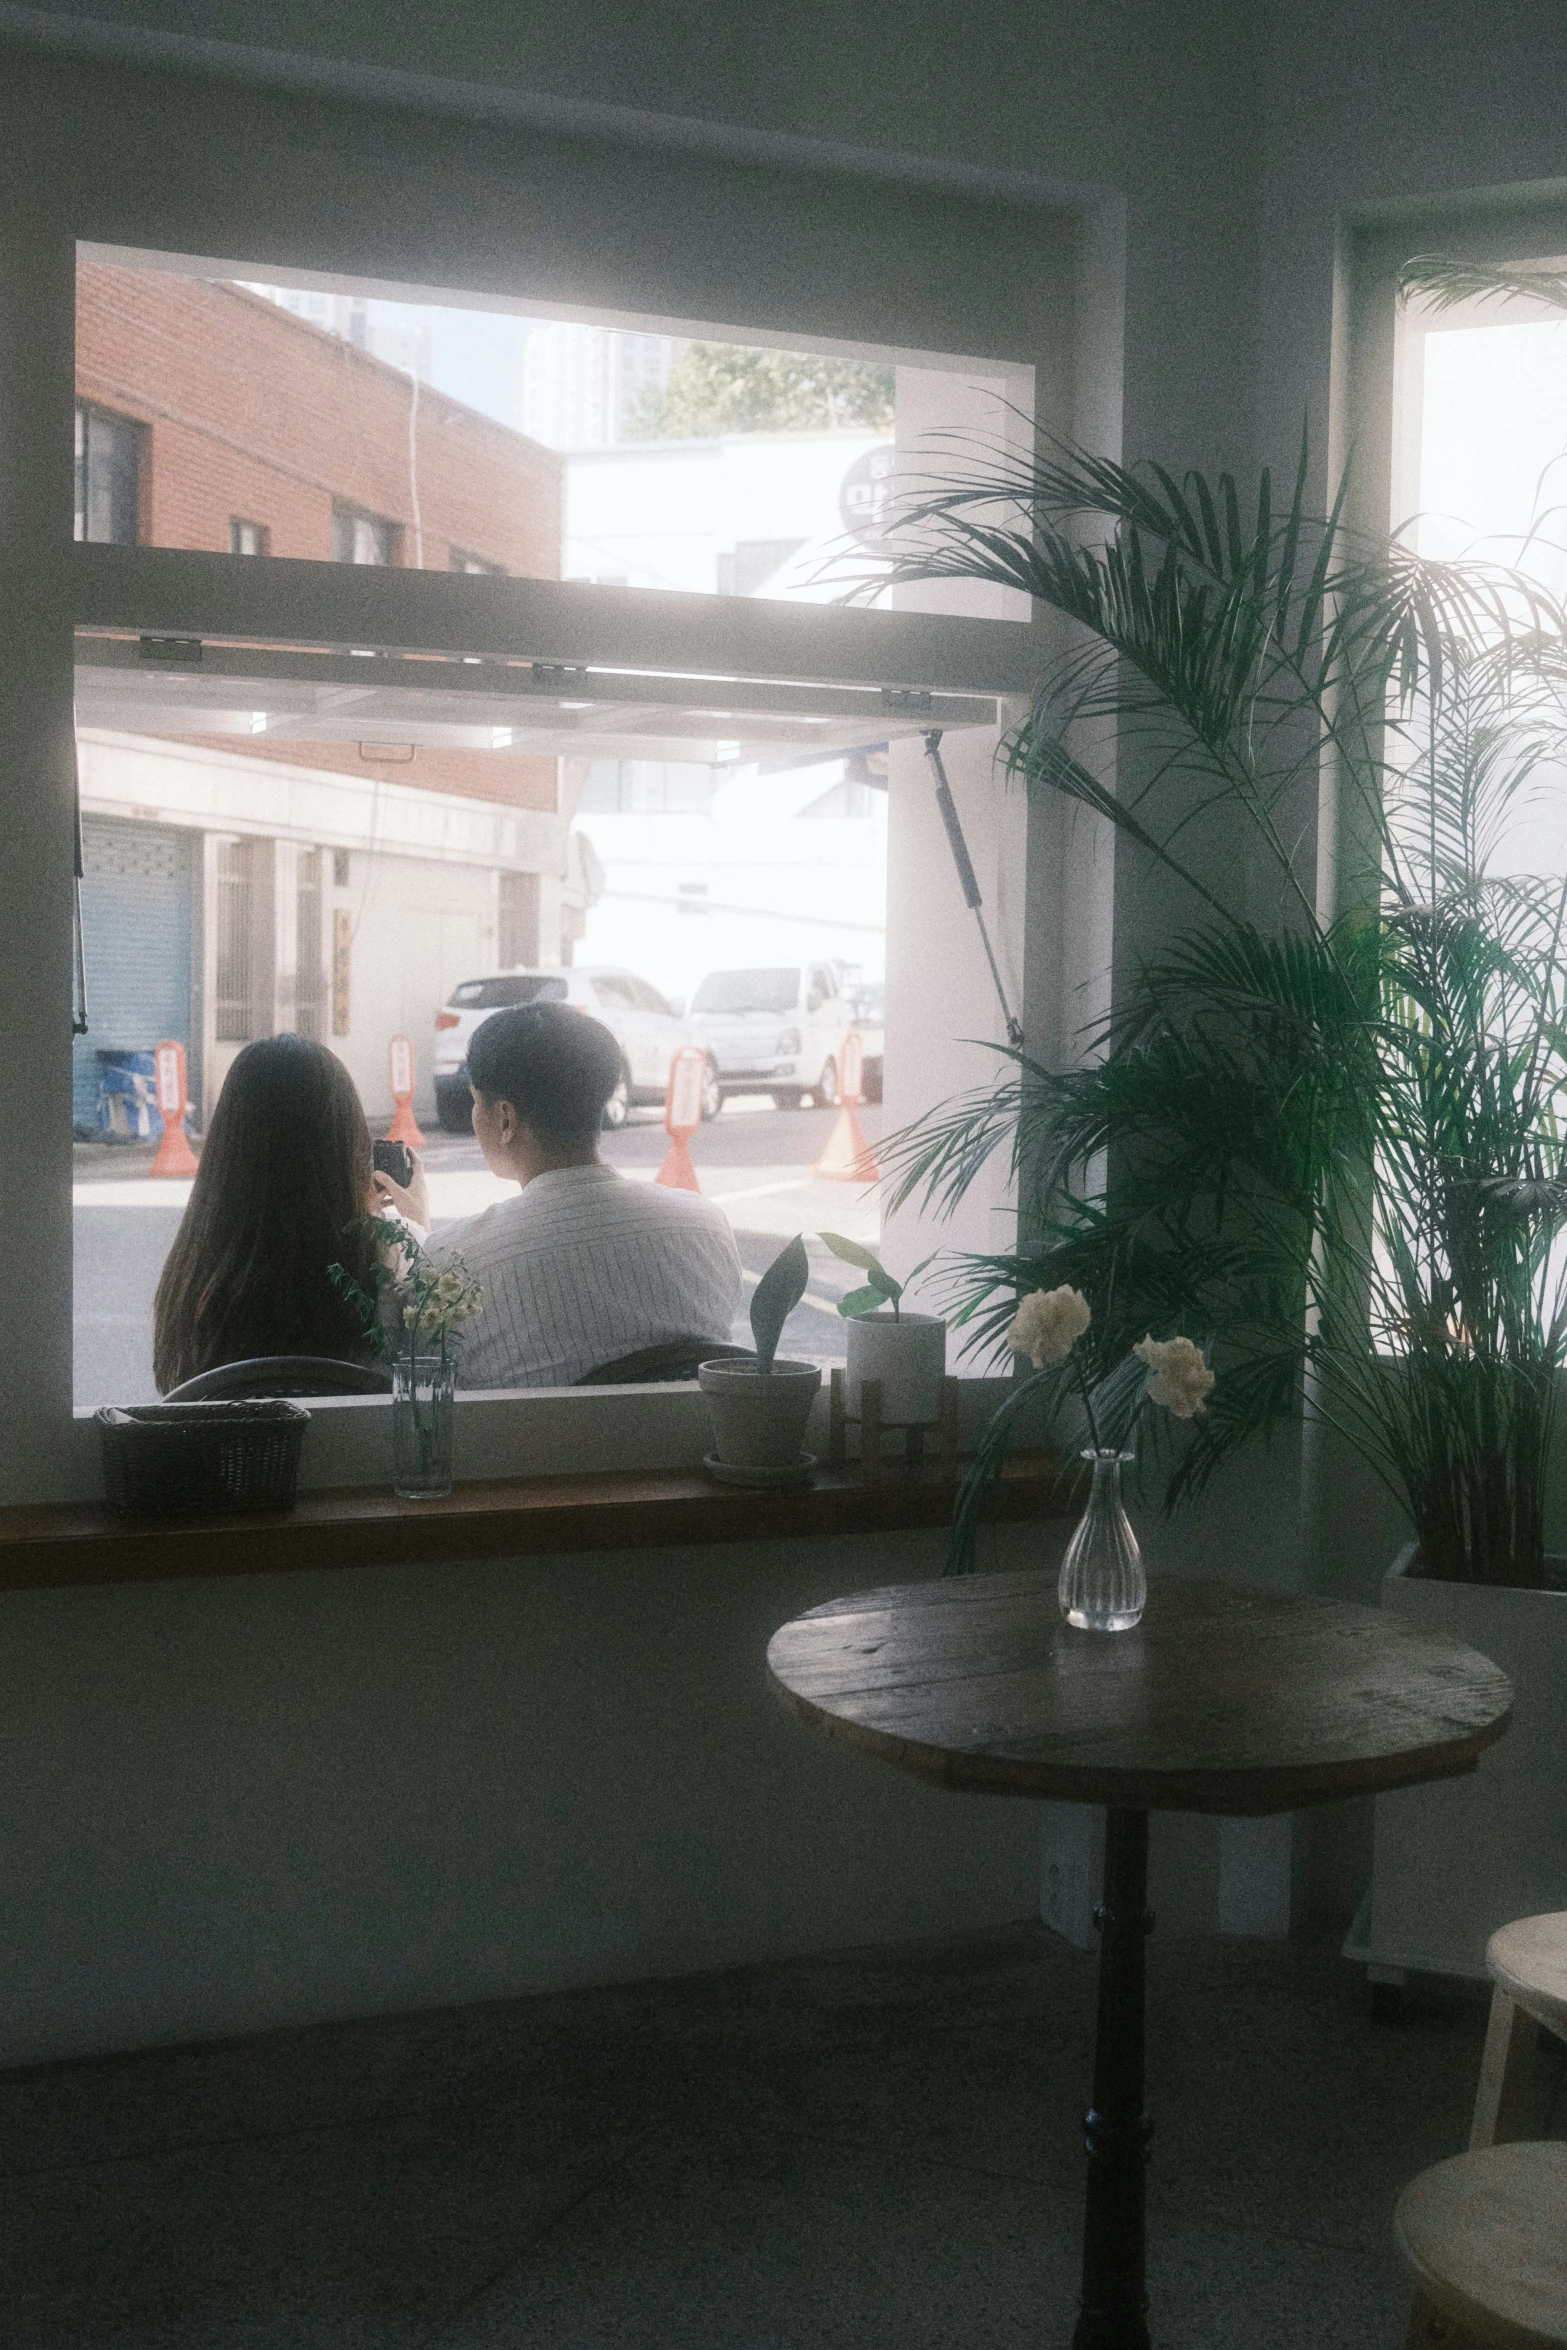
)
(757, 1163)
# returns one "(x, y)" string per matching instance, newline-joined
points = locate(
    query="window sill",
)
(520, 1517)
(551, 1432)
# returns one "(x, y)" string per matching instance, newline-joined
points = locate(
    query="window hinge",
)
(908, 698)
(184, 652)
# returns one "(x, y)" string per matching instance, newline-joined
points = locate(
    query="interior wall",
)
(545, 1773)
(271, 1800)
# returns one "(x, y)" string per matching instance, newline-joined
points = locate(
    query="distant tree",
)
(718, 388)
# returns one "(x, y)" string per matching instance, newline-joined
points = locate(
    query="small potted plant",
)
(760, 1407)
(905, 1352)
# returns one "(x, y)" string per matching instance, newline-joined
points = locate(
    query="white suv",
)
(643, 1025)
(775, 1028)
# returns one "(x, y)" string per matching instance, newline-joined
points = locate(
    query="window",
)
(516, 778)
(362, 538)
(503, 994)
(490, 442)
(748, 991)
(1481, 472)
(108, 477)
(615, 994)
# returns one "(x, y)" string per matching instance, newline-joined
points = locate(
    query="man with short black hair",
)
(582, 1267)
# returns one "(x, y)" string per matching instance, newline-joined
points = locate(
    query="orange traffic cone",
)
(676, 1169)
(682, 1117)
(174, 1154)
(404, 1126)
(848, 1157)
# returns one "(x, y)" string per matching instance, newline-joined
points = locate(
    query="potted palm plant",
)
(1334, 1141)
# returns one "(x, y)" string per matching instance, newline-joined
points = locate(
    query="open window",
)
(546, 681)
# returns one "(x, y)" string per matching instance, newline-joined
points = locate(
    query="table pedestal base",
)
(1114, 2309)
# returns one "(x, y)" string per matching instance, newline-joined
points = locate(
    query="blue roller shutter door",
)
(139, 934)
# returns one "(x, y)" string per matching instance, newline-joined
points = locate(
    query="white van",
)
(774, 1028)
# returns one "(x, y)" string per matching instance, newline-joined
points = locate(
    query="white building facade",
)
(224, 899)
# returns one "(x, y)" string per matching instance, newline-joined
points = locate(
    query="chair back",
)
(287, 1375)
(672, 1358)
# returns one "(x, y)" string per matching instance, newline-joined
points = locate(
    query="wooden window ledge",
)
(515, 1517)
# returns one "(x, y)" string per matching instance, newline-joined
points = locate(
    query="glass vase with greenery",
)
(1329, 1144)
(409, 1308)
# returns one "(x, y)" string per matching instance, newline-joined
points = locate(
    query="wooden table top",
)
(1224, 1699)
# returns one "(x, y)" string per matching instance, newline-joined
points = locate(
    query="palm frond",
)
(1335, 1150)
(1444, 283)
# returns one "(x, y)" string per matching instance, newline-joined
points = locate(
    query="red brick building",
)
(254, 415)
(234, 427)
(237, 887)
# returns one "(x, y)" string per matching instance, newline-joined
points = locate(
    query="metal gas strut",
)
(967, 877)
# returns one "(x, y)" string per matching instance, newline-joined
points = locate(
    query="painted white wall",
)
(1221, 156)
(239, 1804)
(183, 783)
(943, 1013)
(420, 895)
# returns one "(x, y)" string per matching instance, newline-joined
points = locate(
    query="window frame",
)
(134, 434)
(780, 255)
(1371, 415)
(348, 521)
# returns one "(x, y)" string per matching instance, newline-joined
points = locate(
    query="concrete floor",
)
(877, 2151)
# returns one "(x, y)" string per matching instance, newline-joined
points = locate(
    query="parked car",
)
(642, 1022)
(868, 1005)
(776, 1028)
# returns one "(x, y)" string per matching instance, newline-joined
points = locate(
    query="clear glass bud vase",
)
(1103, 1587)
(422, 1389)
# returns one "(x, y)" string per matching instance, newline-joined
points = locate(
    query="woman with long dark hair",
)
(285, 1172)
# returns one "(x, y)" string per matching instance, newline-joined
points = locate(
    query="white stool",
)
(1484, 2239)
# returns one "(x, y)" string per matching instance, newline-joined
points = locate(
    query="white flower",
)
(1178, 1377)
(1048, 1323)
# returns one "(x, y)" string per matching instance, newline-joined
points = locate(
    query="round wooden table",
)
(1224, 1699)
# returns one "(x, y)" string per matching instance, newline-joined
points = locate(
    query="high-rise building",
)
(582, 385)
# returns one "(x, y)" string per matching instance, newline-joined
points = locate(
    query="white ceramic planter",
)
(1455, 1860)
(908, 1356)
(759, 1420)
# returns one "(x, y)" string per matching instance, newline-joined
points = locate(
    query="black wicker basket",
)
(180, 1460)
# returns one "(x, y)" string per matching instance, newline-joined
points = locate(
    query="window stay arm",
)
(967, 878)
